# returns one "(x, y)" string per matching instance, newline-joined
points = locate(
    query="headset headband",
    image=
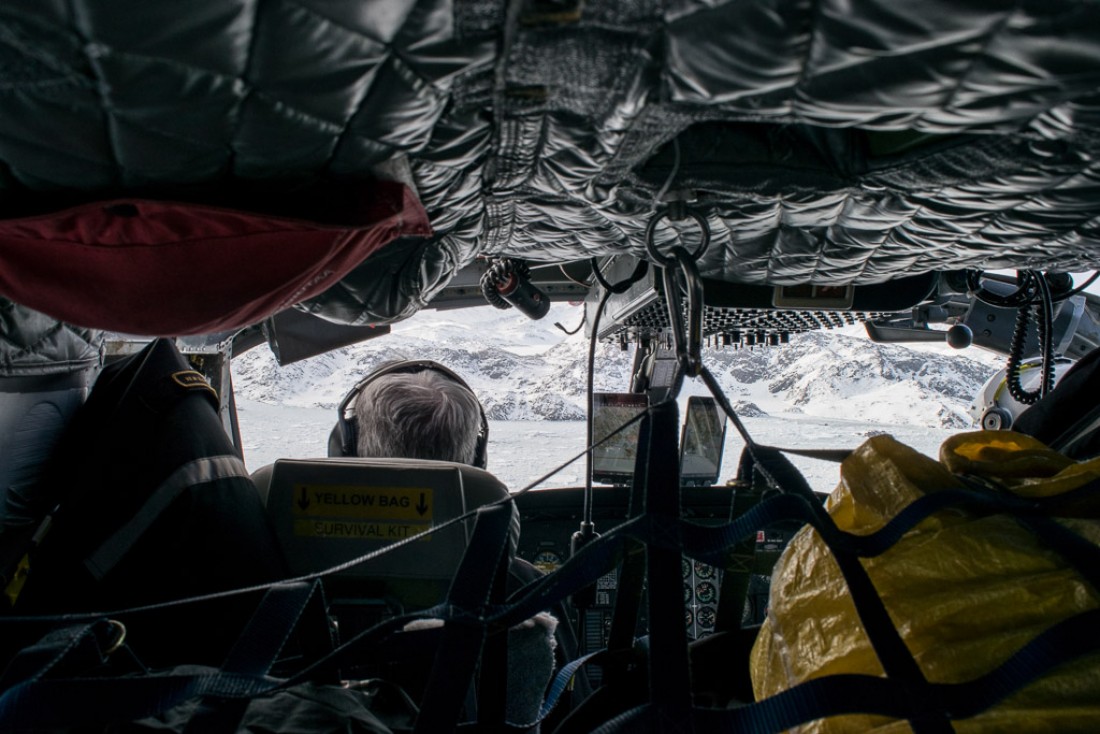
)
(347, 426)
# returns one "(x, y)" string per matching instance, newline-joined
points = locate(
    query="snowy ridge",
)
(524, 370)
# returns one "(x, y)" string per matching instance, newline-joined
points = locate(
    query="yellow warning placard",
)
(363, 502)
(356, 529)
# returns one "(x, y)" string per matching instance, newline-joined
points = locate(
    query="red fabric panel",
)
(168, 268)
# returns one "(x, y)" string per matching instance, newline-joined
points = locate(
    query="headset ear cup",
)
(349, 438)
(481, 448)
(336, 442)
(481, 452)
(344, 437)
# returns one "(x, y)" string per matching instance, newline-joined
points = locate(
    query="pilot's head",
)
(418, 413)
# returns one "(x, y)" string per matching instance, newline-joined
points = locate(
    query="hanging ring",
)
(651, 247)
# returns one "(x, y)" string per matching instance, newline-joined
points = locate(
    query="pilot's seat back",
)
(34, 411)
(328, 512)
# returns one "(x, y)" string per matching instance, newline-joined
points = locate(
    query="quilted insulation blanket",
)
(823, 141)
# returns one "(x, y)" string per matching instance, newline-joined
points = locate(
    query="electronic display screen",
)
(702, 441)
(613, 460)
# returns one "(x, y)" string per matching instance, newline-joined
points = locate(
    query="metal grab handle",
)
(666, 260)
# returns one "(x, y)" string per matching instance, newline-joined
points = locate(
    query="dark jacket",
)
(155, 506)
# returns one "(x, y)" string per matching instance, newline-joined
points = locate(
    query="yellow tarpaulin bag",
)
(964, 591)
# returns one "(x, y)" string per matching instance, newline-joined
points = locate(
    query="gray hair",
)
(417, 415)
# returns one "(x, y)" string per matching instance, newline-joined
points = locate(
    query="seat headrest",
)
(329, 511)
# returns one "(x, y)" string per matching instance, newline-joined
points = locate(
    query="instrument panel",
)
(550, 517)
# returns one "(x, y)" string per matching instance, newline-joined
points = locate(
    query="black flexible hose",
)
(1045, 324)
(499, 273)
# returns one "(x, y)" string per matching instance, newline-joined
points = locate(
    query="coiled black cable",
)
(499, 272)
(1027, 281)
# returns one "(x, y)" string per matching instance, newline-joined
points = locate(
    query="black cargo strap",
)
(841, 694)
(901, 697)
(255, 651)
(669, 666)
(200, 471)
(60, 650)
(737, 561)
(483, 568)
(32, 697)
(45, 703)
(894, 656)
(38, 692)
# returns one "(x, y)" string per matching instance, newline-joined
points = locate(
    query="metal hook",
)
(689, 346)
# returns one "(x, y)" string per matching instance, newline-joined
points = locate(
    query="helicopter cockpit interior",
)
(181, 184)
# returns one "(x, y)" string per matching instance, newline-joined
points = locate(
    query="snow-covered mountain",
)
(525, 370)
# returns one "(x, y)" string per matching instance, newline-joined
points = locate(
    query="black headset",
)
(344, 437)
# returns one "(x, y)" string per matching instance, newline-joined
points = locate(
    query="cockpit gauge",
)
(706, 617)
(706, 592)
(546, 561)
(703, 570)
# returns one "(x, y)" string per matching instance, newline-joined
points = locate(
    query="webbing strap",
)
(64, 702)
(707, 542)
(889, 647)
(83, 643)
(561, 681)
(43, 701)
(669, 666)
(737, 563)
(57, 702)
(841, 694)
(464, 633)
(860, 694)
(254, 653)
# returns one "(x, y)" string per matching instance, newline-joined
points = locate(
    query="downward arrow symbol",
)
(303, 500)
(421, 506)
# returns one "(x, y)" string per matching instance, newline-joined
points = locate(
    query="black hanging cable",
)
(586, 516)
(584, 598)
(565, 274)
(609, 289)
(622, 286)
(569, 332)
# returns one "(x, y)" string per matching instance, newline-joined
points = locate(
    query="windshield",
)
(830, 389)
